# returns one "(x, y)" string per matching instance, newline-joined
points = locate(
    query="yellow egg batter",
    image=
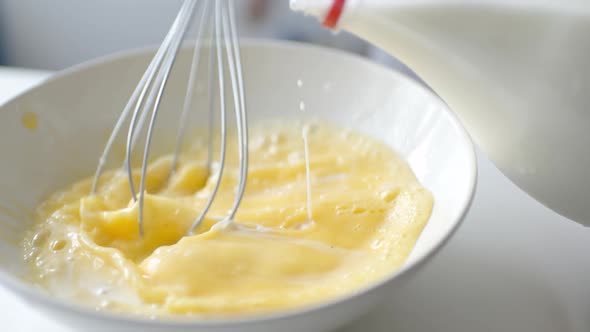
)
(367, 212)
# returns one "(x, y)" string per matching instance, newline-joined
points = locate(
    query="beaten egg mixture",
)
(367, 210)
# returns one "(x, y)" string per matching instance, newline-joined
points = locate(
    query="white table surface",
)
(513, 266)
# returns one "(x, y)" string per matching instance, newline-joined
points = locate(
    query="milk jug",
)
(517, 73)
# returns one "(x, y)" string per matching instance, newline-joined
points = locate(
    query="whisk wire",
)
(162, 81)
(144, 104)
(210, 99)
(189, 89)
(138, 93)
(234, 63)
(143, 110)
(223, 123)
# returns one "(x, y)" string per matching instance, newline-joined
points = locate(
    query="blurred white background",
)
(54, 34)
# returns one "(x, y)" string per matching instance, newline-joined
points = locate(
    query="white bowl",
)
(77, 108)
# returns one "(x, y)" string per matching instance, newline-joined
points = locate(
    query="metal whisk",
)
(144, 104)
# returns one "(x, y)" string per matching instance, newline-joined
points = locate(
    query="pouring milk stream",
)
(517, 73)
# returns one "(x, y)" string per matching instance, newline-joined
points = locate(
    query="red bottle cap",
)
(331, 20)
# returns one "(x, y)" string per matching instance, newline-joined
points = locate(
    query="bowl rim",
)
(20, 287)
